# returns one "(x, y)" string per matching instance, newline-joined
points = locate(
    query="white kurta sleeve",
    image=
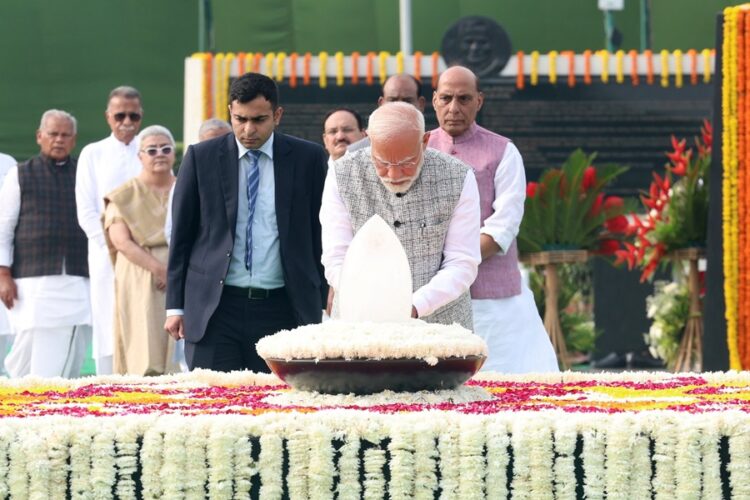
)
(510, 194)
(87, 202)
(461, 254)
(336, 229)
(10, 193)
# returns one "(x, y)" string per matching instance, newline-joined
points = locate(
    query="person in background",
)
(341, 128)
(43, 257)
(6, 334)
(505, 314)
(429, 199)
(244, 261)
(134, 228)
(103, 166)
(397, 88)
(209, 129)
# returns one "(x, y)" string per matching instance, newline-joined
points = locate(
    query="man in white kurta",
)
(505, 314)
(103, 166)
(43, 270)
(6, 335)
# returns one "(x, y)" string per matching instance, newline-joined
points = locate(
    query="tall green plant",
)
(567, 208)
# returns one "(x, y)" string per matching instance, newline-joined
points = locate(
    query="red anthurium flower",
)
(609, 247)
(680, 168)
(531, 189)
(618, 224)
(589, 178)
(612, 203)
(679, 147)
(597, 206)
(707, 134)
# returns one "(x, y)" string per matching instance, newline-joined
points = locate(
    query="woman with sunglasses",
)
(134, 226)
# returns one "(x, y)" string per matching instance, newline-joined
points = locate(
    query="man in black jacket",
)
(244, 260)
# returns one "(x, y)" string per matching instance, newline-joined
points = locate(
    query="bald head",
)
(457, 100)
(402, 88)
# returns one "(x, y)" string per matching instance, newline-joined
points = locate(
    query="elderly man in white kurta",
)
(103, 166)
(6, 335)
(429, 199)
(43, 265)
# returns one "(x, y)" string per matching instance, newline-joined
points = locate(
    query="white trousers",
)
(515, 335)
(49, 352)
(102, 280)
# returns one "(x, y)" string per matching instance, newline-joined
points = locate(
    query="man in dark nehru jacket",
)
(43, 257)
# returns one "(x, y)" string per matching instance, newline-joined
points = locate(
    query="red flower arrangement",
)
(676, 207)
(567, 209)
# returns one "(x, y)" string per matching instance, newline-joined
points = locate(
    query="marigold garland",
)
(293, 69)
(269, 60)
(399, 62)
(382, 66)
(633, 67)
(520, 77)
(649, 66)
(604, 56)
(306, 68)
(552, 70)
(323, 69)
(339, 69)
(369, 72)
(664, 63)
(280, 64)
(678, 68)
(693, 55)
(355, 68)
(571, 67)
(587, 67)
(418, 66)
(534, 75)
(435, 60)
(729, 181)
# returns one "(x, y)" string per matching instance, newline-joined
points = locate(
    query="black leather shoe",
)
(611, 360)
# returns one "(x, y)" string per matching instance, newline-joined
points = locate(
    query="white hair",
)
(213, 124)
(58, 113)
(394, 119)
(153, 130)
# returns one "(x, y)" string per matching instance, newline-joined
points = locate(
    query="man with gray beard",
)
(429, 199)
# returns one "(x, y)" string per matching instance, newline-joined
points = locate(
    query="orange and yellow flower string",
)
(730, 160)
(742, 145)
(218, 68)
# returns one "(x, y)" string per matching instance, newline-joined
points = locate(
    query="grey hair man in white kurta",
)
(429, 199)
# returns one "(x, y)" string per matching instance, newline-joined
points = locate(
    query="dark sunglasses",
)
(120, 117)
(165, 150)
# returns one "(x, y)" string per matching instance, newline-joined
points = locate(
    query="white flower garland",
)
(320, 471)
(103, 460)
(450, 475)
(6, 436)
(739, 465)
(401, 448)
(425, 461)
(126, 444)
(57, 445)
(593, 463)
(618, 457)
(175, 459)
(271, 447)
(196, 461)
(374, 481)
(37, 465)
(80, 461)
(688, 465)
(220, 452)
(244, 468)
(664, 455)
(497, 458)
(520, 440)
(152, 453)
(640, 480)
(711, 460)
(472, 462)
(565, 435)
(18, 483)
(349, 487)
(298, 446)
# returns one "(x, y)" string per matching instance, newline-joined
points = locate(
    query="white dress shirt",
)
(461, 254)
(510, 194)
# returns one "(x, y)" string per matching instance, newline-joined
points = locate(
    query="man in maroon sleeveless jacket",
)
(505, 314)
(43, 257)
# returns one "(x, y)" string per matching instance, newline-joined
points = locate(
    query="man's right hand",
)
(175, 327)
(329, 304)
(8, 289)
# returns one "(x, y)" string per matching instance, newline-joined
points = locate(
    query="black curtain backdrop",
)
(715, 350)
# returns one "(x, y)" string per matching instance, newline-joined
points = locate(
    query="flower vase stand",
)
(690, 352)
(550, 260)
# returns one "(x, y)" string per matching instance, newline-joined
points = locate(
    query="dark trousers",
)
(236, 325)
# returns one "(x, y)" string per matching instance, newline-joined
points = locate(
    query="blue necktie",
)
(253, 179)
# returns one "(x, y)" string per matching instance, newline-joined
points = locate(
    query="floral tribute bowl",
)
(368, 376)
(338, 357)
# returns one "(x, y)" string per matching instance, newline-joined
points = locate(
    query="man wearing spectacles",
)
(43, 257)
(428, 198)
(505, 314)
(341, 127)
(103, 166)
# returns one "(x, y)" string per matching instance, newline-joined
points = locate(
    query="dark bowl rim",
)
(471, 357)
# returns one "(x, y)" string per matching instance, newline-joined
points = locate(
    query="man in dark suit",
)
(245, 255)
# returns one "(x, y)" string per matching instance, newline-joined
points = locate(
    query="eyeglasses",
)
(120, 117)
(165, 150)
